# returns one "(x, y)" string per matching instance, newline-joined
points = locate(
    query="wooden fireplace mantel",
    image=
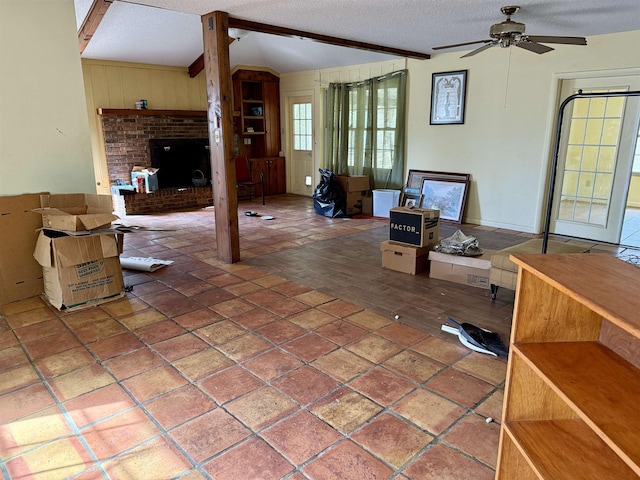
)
(134, 111)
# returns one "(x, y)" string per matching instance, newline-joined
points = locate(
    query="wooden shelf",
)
(134, 111)
(559, 449)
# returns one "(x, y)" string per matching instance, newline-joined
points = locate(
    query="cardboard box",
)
(76, 211)
(414, 226)
(383, 201)
(20, 274)
(79, 271)
(149, 178)
(404, 258)
(355, 188)
(473, 271)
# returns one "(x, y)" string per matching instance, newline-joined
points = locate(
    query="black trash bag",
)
(328, 197)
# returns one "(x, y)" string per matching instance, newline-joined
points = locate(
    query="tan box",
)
(414, 226)
(20, 274)
(404, 258)
(473, 271)
(76, 211)
(355, 188)
(79, 271)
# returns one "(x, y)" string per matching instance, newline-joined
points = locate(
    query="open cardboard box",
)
(76, 211)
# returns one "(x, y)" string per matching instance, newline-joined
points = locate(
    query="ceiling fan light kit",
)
(509, 32)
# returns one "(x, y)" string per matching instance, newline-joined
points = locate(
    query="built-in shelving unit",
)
(573, 386)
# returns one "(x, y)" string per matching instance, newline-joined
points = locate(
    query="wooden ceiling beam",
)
(92, 21)
(196, 67)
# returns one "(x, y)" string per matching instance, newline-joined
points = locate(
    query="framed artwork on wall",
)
(448, 97)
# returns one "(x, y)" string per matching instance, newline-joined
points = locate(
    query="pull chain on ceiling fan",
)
(509, 32)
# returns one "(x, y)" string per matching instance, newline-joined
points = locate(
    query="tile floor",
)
(257, 370)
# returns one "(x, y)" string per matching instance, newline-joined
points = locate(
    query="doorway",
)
(595, 159)
(300, 113)
(631, 226)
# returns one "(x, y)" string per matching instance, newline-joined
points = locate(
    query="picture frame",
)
(415, 178)
(410, 199)
(447, 195)
(448, 97)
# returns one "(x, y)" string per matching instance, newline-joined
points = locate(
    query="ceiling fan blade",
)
(481, 49)
(533, 46)
(461, 44)
(562, 40)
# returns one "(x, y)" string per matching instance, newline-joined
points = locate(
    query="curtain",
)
(365, 129)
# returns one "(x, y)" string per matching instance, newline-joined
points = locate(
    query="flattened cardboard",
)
(79, 271)
(404, 258)
(76, 211)
(20, 274)
(473, 271)
(414, 226)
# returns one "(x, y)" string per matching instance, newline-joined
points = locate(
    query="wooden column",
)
(217, 68)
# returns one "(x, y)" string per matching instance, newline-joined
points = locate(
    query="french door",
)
(595, 159)
(301, 144)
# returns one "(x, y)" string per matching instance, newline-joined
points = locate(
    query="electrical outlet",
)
(247, 141)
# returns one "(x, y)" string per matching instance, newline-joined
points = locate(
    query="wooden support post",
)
(217, 67)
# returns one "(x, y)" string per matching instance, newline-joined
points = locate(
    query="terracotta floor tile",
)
(370, 321)
(261, 408)
(341, 332)
(402, 334)
(51, 345)
(12, 357)
(314, 298)
(179, 347)
(84, 317)
(243, 288)
(301, 437)
(263, 297)
(99, 330)
(148, 288)
(346, 460)
(22, 306)
(345, 410)
(429, 411)
(119, 433)
(124, 307)
(231, 308)
(28, 432)
(374, 348)
(209, 434)
(443, 463)
(291, 289)
(73, 384)
(392, 439)
(37, 331)
(98, 404)
(8, 339)
(116, 345)
(160, 331)
(309, 347)
(24, 402)
(213, 297)
(485, 367)
(382, 386)
(142, 318)
(414, 365)
(270, 281)
(287, 307)
(65, 457)
(220, 332)
(441, 350)
(280, 331)
(492, 406)
(252, 459)
(29, 317)
(229, 384)
(201, 364)
(64, 362)
(153, 383)
(251, 273)
(311, 319)
(342, 365)
(459, 387)
(197, 318)
(225, 279)
(179, 406)
(131, 364)
(18, 377)
(466, 433)
(171, 303)
(158, 458)
(272, 364)
(244, 347)
(339, 308)
(255, 319)
(306, 384)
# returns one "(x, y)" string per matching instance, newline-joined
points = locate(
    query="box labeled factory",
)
(414, 226)
(472, 271)
(355, 188)
(404, 258)
(79, 271)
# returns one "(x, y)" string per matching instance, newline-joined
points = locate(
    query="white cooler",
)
(383, 201)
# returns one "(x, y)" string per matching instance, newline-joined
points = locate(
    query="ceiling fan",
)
(509, 33)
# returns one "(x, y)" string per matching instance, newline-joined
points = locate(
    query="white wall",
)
(44, 131)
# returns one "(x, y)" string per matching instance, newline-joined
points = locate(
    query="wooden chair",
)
(244, 179)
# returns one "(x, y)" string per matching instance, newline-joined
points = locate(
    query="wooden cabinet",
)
(573, 382)
(273, 169)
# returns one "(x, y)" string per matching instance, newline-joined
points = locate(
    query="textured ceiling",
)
(169, 32)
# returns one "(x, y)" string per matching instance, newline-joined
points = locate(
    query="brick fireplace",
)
(127, 135)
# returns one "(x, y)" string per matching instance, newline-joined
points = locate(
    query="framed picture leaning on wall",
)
(448, 97)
